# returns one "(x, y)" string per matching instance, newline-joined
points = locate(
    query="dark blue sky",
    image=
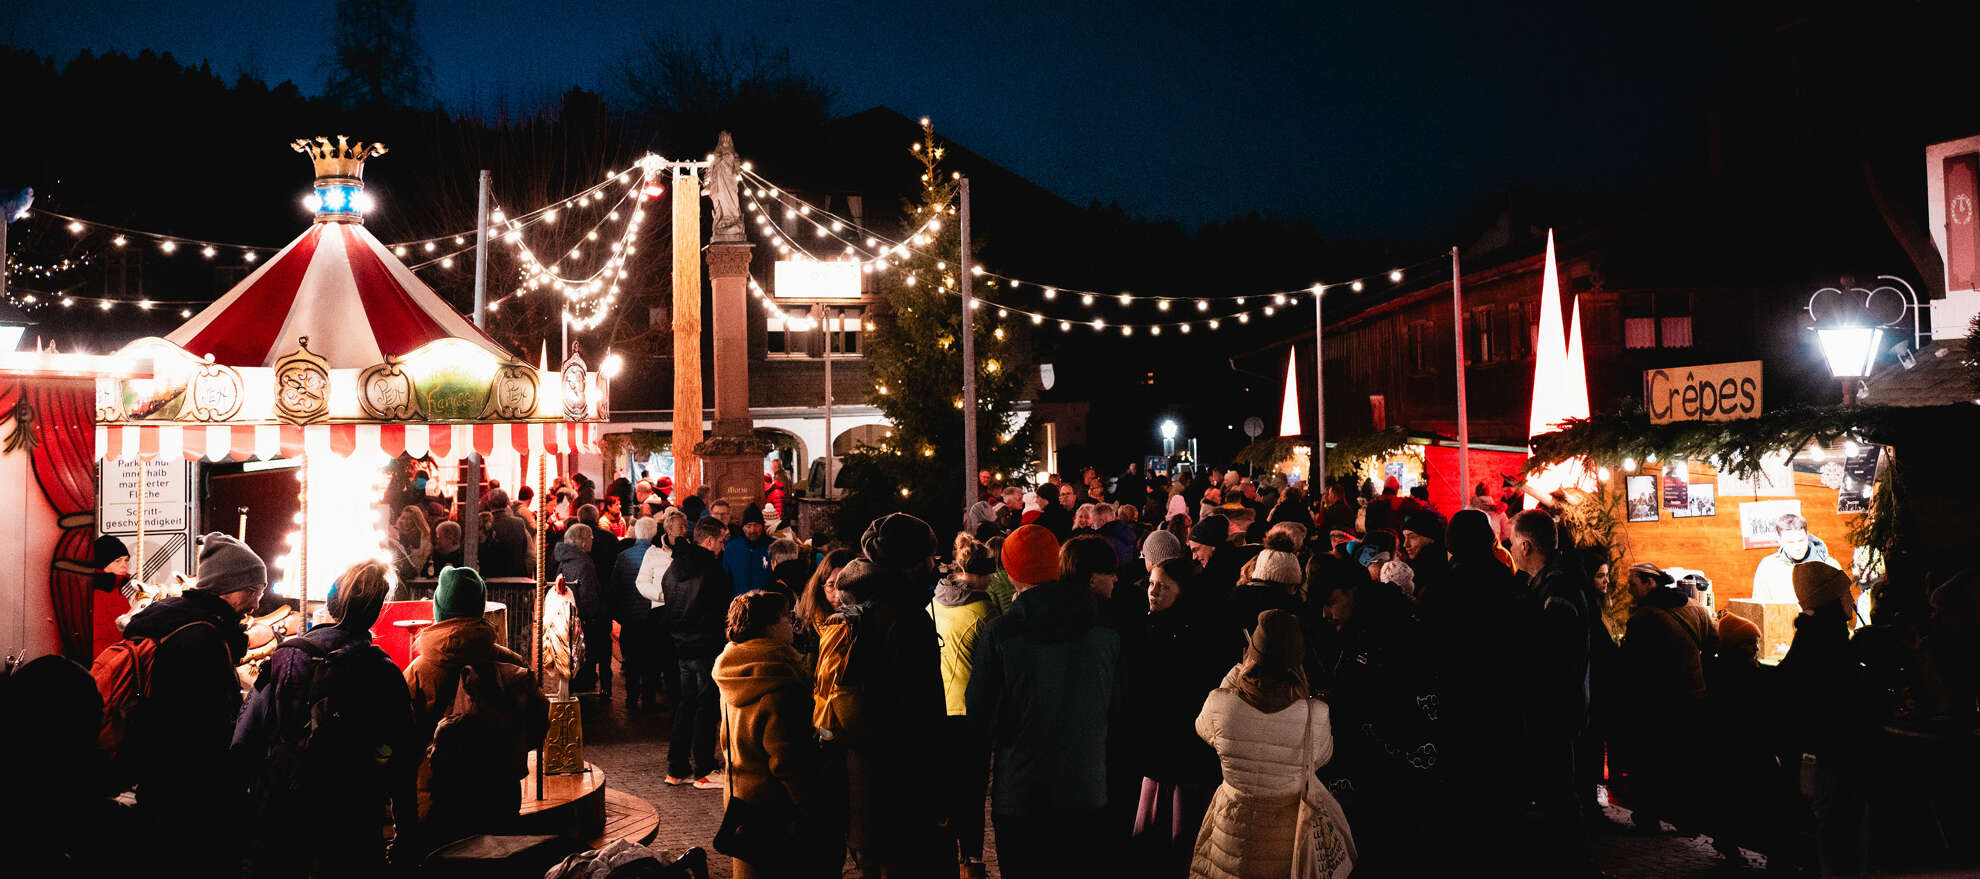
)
(1372, 119)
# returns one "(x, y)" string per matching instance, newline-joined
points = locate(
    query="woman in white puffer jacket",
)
(1270, 819)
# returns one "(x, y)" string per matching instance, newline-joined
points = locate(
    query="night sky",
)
(1371, 119)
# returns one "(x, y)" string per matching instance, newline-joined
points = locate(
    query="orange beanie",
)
(1031, 555)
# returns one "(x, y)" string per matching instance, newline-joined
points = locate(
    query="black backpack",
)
(325, 732)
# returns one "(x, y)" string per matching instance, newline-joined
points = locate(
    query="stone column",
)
(732, 456)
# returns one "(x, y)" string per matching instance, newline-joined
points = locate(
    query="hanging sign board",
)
(1713, 392)
(805, 279)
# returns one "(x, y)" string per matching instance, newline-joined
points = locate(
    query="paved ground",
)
(632, 749)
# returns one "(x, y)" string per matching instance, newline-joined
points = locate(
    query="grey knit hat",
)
(227, 565)
(1276, 566)
(1160, 547)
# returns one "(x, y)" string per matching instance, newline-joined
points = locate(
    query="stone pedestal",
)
(732, 456)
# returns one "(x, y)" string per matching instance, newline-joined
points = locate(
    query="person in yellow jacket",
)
(960, 608)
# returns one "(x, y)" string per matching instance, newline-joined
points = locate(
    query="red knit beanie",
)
(1031, 555)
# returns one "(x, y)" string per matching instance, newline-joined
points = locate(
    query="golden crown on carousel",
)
(344, 158)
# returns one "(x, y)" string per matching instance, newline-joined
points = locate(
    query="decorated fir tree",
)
(915, 359)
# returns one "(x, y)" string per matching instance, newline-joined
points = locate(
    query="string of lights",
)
(588, 297)
(826, 224)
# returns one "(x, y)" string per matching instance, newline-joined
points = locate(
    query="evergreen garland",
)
(1736, 447)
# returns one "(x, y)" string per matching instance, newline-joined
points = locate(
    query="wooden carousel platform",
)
(580, 807)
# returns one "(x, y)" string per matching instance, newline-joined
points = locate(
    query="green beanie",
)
(461, 593)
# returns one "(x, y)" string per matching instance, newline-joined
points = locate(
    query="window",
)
(1660, 320)
(786, 338)
(1378, 411)
(1485, 338)
(1419, 346)
(798, 336)
(1519, 337)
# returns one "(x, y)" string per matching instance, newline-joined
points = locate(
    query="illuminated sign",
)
(805, 279)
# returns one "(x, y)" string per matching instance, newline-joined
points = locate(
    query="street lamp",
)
(1168, 431)
(1850, 327)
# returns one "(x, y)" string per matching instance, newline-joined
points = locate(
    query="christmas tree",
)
(915, 359)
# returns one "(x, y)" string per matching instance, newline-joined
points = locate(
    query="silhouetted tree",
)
(378, 61)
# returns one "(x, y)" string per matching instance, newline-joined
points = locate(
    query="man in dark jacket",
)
(1422, 546)
(1043, 690)
(1553, 633)
(1662, 699)
(177, 744)
(507, 550)
(895, 664)
(746, 557)
(639, 658)
(698, 593)
(1056, 514)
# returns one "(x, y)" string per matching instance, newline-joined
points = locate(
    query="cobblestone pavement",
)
(632, 749)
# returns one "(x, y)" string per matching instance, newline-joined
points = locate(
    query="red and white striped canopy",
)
(341, 287)
(242, 441)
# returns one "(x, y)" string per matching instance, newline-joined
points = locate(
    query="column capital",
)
(728, 260)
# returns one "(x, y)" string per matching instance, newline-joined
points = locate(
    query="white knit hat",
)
(1276, 566)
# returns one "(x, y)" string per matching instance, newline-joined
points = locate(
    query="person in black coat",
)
(698, 594)
(177, 744)
(507, 551)
(1184, 655)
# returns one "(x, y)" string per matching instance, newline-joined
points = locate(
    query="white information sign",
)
(164, 496)
(805, 279)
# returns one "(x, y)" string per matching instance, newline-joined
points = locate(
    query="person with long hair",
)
(1270, 735)
(411, 543)
(961, 608)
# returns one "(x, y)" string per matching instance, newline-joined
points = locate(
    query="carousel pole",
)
(470, 483)
(302, 546)
(137, 555)
(536, 612)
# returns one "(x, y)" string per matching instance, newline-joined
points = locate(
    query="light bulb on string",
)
(1356, 286)
(1086, 299)
(1395, 276)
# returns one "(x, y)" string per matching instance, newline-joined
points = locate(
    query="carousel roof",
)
(338, 285)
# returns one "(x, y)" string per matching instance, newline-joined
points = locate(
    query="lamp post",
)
(1849, 328)
(1168, 431)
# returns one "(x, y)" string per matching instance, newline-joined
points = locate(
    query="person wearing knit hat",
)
(1738, 635)
(1049, 732)
(467, 787)
(1209, 534)
(1276, 566)
(1158, 548)
(1031, 557)
(1661, 669)
(459, 592)
(898, 542)
(229, 569)
(176, 757)
(1818, 583)
(1422, 545)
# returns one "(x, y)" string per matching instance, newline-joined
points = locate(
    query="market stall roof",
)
(341, 287)
(1938, 376)
(217, 442)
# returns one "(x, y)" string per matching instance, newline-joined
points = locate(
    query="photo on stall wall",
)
(1757, 522)
(1640, 498)
(1702, 500)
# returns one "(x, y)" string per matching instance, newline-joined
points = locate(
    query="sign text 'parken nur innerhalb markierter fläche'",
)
(1712, 392)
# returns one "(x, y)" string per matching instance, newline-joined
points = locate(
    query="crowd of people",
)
(1201, 676)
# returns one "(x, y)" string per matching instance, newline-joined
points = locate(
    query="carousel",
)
(333, 358)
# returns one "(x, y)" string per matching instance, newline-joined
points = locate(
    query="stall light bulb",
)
(1356, 286)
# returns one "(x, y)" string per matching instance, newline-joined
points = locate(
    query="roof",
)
(1940, 376)
(340, 287)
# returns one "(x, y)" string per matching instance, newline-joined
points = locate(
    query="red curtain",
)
(64, 459)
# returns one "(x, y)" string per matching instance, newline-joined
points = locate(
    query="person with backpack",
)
(476, 711)
(326, 731)
(170, 695)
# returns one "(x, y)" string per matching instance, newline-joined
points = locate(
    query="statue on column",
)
(724, 175)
